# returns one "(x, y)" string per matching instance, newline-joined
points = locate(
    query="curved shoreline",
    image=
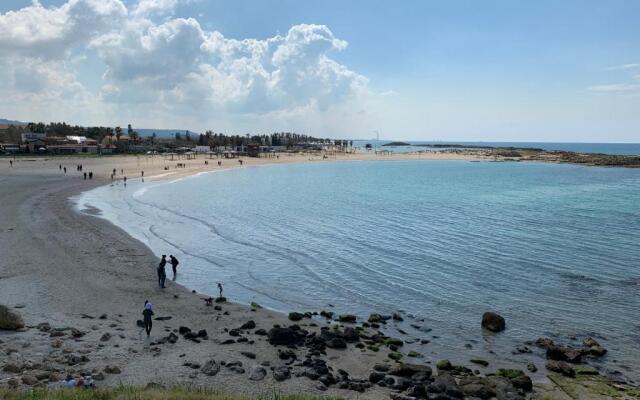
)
(62, 264)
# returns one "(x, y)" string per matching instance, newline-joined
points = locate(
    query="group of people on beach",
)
(83, 382)
(162, 273)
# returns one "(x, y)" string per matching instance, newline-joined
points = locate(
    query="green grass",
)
(132, 393)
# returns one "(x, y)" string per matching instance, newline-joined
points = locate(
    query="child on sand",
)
(147, 313)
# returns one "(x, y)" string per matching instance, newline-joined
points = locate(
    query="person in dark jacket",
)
(147, 314)
(174, 265)
(162, 273)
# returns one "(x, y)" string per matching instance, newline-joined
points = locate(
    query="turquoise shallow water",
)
(553, 248)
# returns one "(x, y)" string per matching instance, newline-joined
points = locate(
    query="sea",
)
(598, 148)
(554, 248)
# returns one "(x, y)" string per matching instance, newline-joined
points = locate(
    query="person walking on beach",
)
(85, 176)
(60, 167)
(147, 313)
(90, 174)
(162, 273)
(65, 170)
(174, 265)
(10, 163)
(220, 289)
(142, 173)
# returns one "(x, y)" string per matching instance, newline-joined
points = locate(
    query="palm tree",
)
(110, 134)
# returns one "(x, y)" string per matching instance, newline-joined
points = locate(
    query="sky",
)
(496, 70)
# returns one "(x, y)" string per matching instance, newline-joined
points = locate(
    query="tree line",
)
(209, 138)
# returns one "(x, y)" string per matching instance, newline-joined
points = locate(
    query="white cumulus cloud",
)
(172, 65)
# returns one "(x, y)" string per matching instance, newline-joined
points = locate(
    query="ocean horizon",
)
(601, 148)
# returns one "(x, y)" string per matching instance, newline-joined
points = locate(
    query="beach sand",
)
(66, 268)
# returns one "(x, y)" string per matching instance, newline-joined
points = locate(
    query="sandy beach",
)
(80, 282)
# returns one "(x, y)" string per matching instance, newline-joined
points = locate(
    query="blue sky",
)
(431, 70)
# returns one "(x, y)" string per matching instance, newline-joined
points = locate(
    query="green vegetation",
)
(395, 356)
(444, 365)
(509, 373)
(393, 342)
(126, 393)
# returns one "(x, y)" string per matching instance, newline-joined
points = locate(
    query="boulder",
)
(326, 314)
(285, 336)
(561, 367)
(9, 319)
(590, 342)
(286, 354)
(348, 318)
(350, 334)
(248, 325)
(480, 361)
(375, 376)
(257, 373)
(76, 333)
(409, 370)
(375, 318)
(112, 369)
(29, 380)
(522, 382)
(295, 316)
(562, 353)
(281, 373)
(544, 343)
(210, 368)
(444, 365)
(597, 351)
(493, 322)
(477, 387)
(445, 384)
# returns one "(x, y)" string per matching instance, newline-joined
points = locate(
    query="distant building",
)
(28, 137)
(81, 140)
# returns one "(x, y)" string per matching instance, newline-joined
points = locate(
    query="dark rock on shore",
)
(286, 336)
(595, 349)
(112, 369)
(295, 316)
(248, 325)
(480, 361)
(561, 367)
(349, 318)
(210, 368)
(414, 371)
(281, 373)
(493, 322)
(9, 319)
(326, 314)
(562, 353)
(257, 373)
